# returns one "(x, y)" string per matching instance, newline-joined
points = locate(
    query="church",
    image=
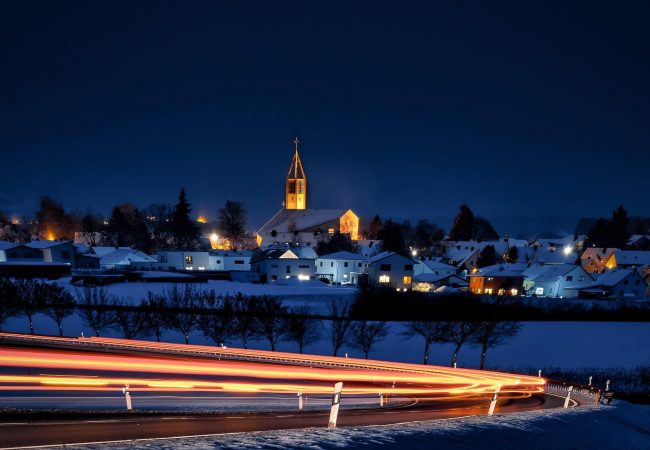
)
(296, 224)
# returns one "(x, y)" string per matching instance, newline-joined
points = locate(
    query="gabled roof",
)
(5, 245)
(233, 253)
(287, 220)
(434, 278)
(123, 255)
(612, 277)
(348, 256)
(101, 251)
(384, 255)
(548, 273)
(632, 258)
(597, 253)
(438, 265)
(501, 270)
(41, 245)
(557, 257)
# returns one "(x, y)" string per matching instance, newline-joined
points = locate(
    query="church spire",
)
(296, 188)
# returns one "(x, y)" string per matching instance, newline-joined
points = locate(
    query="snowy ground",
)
(623, 426)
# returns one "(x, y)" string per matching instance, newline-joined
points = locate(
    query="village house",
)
(554, 280)
(499, 279)
(615, 284)
(629, 259)
(432, 282)
(390, 269)
(278, 264)
(341, 267)
(593, 259)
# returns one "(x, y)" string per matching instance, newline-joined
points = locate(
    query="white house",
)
(620, 284)
(230, 260)
(4, 246)
(278, 264)
(429, 282)
(341, 267)
(555, 280)
(391, 270)
(627, 259)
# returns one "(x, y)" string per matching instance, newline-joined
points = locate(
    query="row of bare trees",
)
(224, 319)
(484, 334)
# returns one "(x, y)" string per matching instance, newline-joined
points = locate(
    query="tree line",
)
(158, 226)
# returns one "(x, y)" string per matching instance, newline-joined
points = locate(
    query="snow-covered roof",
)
(300, 219)
(632, 258)
(501, 270)
(613, 277)
(553, 257)
(597, 253)
(101, 251)
(460, 256)
(384, 255)
(5, 245)
(41, 245)
(348, 256)
(637, 237)
(125, 256)
(434, 278)
(435, 264)
(235, 253)
(547, 273)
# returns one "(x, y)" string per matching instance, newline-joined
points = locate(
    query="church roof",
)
(300, 219)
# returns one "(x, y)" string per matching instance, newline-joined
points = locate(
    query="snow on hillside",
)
(623, 425)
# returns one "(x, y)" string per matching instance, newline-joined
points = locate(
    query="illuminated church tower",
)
(296, 192)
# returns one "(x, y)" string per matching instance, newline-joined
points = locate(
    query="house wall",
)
(63, 253)
(631, 287)
(398, 269)
(176, 260)
(496, 285)
(340, 271)
(277, 269)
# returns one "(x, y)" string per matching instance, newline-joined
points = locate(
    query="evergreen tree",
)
(338, 242)
(464, 226)
(374, 228)
(487, 257)
(484, 231)
(52, 222)
(392, 237)
(511, 255)
(426, 234)
(184, 231)
(128, 228)
(618, 228)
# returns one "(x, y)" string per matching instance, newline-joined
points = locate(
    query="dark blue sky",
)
(521, 109)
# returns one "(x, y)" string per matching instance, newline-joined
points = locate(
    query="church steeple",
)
(296, 191)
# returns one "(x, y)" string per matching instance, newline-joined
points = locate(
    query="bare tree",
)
(270, 318)
(245, 323)
(301, 329)
(94, 304)
(219, 323)
(231, 220)
(131, 322)
(365, 335)
(156, 314)
(339, 325)
(58, 302)
(430, 331)
(460, 332)
(8, 300)
(29, 298)
(183, 307)
(493, 334)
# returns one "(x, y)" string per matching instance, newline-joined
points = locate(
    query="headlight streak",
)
(277, 373)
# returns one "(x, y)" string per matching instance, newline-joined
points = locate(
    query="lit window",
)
(514, 291)
(407, 279)
(488, 291)
(384, 279)
(330, 230)
(188, 260)
(539, 291)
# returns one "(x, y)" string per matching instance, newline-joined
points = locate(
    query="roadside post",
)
(336, 400)
(590, 378)
(539, 373)
(127, 397)
(493, 403)
(381, 399)
(607, 386)
(300, 402)
(568, 397)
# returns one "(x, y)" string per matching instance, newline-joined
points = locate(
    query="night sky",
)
(524, 110)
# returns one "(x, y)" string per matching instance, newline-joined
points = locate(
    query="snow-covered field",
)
(622, 426)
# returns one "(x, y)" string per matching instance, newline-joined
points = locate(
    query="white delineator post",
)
(607, 385)
(127, 397)
(300, 400)
(336, 400)
(539, 373)
(493, 403)
(590, 378)
(568, 397)
(381, 399)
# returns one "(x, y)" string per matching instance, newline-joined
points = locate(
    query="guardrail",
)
(581, 393)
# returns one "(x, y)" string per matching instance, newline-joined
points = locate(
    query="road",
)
(57, 432)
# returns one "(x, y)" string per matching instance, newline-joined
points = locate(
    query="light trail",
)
(183, 368)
